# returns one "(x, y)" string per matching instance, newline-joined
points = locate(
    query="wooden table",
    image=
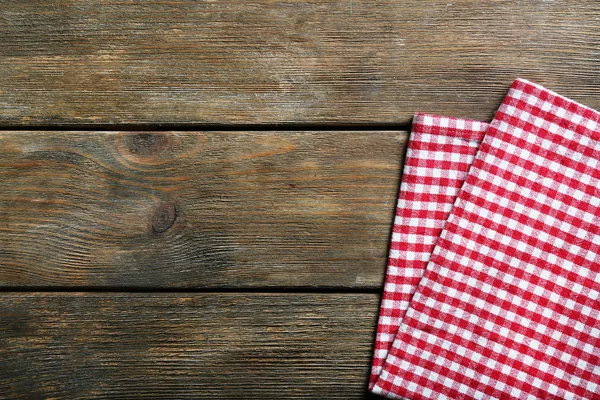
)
(196, 196)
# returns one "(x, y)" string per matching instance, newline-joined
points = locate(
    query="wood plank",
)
(167, 346)
(197, 209)
(264, 61)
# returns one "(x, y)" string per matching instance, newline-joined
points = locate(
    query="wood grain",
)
(172, 346)
(197, 209)
(265, 62)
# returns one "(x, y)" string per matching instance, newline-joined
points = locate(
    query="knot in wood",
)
(164, 217)
(147, 143)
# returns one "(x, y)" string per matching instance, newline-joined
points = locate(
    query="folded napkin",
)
(508, 304)
(439, 154)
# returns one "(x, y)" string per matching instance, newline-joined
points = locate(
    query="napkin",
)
(439, 153)
(508, 306)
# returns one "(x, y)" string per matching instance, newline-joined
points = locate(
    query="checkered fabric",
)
(509, 304)
(440, 151)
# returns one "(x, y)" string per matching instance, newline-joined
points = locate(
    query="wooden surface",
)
(196, 196)
(184, 346)
(264, 61)
(241, 209)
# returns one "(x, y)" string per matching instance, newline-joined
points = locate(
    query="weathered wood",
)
(261, 62)
(197, 209)
(177, 346)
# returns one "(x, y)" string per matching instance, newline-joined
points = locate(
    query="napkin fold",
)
(439, 153)
(508, 305)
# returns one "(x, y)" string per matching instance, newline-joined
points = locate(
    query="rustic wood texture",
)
(176, 346)
(264, 61)
(174, 210)
(197, 209)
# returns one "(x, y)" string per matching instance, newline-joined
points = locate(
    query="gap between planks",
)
(352, 127)
(255, 290)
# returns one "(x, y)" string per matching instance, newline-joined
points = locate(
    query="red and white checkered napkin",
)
(509, 303)
(440, 152)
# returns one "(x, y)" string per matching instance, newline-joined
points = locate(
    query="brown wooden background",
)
(196, 196)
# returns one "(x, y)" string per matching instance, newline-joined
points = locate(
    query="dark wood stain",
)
(201, 346)
(266, 62)
(197, 209)
(160, 209)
